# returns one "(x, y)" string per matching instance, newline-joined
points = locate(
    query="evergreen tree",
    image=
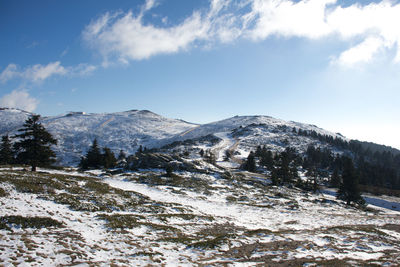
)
(275, 179)
(335, 179)
(6, 152)
(121, 155)
(312, 173)
(250, 164)
(93, 158)
(169, 170)
(267, 159)
(122, 159)
(209, 157)
(109, 160)
(348, 189)
(140, 150)
(33, 147)
(228, 155)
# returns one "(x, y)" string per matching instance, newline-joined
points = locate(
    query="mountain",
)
(12, 119)
(76, 131)
(128, 130)
(245, 133)
(201, 211)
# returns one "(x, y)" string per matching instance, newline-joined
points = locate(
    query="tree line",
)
(377, 165)
(283, 168)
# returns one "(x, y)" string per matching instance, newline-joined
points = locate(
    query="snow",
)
(128, 130)
(314, 223)
(122, 130)
(260, 215)
(376, 201)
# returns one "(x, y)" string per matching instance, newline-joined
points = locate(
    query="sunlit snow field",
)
(141, 218)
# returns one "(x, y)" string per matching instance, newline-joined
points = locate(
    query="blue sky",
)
(331, 63)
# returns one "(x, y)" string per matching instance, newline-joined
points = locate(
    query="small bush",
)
(3, 193)
(7, 222)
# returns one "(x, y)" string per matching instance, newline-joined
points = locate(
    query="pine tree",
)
(250, 164)
(228, 155)
(335, 179)
(121, 155)
(169, 169)
(209, 157)
(267, 159)
(109, 160)
(140, 150)
(93, 158)
(348, 189)
(33, 147)
(6, 152)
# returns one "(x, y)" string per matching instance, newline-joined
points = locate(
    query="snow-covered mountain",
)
(76, 131)
(245, 133)
(128, 130)
(12, 119)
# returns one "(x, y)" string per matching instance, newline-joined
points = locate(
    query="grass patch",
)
(258, 232)
(179, 238)
(214, 235)
(194, 183)
(358, 228)
(210, 243)
(392, 227)
(185, 216)
(128, 221)
(121, 221)
(8, 222)
(3, 193)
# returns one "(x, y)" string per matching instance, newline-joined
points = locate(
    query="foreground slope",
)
(140, 218)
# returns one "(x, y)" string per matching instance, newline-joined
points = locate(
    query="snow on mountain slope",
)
(128, 130)
(243, 121)
(76, 131)
(241, 134)
(12, 119)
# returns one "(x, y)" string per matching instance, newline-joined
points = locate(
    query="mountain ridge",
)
(127, 130)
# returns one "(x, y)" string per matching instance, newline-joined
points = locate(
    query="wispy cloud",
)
(19, 99)
(39, 72)
(361, 53)
(125, 36)
(10, 72)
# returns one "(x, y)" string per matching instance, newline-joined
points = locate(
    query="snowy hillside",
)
(58, 218)
(243, 121)
(128, 130)
(242, 134)
(12, 119)
(76, 131)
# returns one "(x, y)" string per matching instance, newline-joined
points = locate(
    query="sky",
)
(332, 63)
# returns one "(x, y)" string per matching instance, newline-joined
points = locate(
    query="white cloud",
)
(126, 37)
(81, 69)
(19, 99)
(39, 73)
(361, 53)
(287, 18)
(10, 72)
(35, 73)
